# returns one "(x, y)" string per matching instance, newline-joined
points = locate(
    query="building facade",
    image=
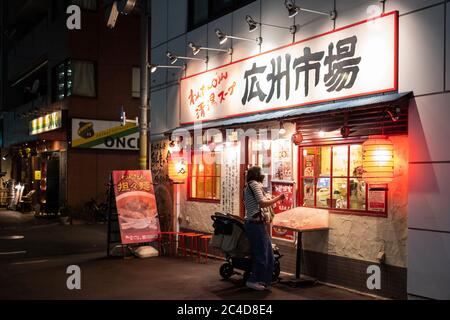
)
(65, 90)
(277, 100)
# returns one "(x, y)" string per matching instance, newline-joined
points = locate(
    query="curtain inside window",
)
(86, 4)
(83, 75)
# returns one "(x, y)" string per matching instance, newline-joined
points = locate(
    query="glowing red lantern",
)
(378, 160)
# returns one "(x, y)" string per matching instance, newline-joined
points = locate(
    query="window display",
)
(332, 178)
(204, 178)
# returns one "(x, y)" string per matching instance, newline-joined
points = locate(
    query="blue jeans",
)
(262, 254)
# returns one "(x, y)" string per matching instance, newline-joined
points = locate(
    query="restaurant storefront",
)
(324, 119)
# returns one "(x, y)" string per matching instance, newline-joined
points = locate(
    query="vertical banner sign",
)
(229, 199)
(288, 190)
(136, 206)
(355, 60)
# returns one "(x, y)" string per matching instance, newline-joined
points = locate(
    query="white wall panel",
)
(311, 24)
(200, 38)
(428, 128)
(177, 46)
(159, 22)
(447, 44)
(405, 6)
(177, 15)
(173, 106)
(428, 264)
(275, 13)
(421, 56)
(224, 24)
(353, 11)
(158, 111)
(158, 57)
(429, 201)
(243, 49)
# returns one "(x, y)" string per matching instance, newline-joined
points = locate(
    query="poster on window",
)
(136, 206)
(282, 160)
(377, 200)
(281, 206)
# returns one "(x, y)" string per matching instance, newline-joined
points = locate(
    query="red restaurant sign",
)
(359, 59)
(136, 206)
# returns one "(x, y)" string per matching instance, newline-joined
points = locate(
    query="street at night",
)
(252, 155)
(34, 267)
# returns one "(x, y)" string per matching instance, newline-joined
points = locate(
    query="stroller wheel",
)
(276, 271)
(226, 270)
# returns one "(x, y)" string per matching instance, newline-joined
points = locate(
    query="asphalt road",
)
(34, 258)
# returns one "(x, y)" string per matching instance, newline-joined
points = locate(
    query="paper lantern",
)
(178, 168)
(378, 160)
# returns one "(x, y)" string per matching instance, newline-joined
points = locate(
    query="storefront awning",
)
(353, 104)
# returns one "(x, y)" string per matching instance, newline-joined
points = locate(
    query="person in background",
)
(256, 230)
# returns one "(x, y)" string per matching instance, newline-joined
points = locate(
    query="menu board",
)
(281, 206)
(136, 206)
(377, 200)
(229, 198)
(282, 160)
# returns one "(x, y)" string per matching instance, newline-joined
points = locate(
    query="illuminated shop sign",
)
(355, 60)
(99, 134)
(46, 123)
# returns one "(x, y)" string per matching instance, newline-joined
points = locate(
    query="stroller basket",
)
(229, 235)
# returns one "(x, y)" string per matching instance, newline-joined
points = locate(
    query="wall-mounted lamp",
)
(174, 58)
(293, 10)
(253, 25)
(197, 49)
(5, 156)
(154, 67)
(223, 37)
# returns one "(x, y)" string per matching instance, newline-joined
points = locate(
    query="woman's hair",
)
(254, 173)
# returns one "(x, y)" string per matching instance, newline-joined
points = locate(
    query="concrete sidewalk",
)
(160, 278)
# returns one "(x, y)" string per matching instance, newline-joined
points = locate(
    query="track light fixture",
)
(154, 67)
(223, 37)
(253, 25)
(197, 49)
(173, 58)
(293, 10)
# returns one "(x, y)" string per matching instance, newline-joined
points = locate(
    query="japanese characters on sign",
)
(351, 61)
(288, 190)
(136, 206)
(229, 199)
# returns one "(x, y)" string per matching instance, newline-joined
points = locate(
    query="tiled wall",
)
(423, 68)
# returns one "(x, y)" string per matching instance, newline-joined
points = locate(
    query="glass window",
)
(260, 155)
(203, 11)
(75, 78)
(344, 189)
(86, 4)
(198, 12)
(205, 175)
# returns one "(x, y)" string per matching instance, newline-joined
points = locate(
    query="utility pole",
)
(112, 10)
(144, 126)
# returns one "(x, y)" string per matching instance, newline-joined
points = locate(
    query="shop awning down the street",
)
(364, 103)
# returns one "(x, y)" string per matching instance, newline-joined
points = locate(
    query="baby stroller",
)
(229, 236)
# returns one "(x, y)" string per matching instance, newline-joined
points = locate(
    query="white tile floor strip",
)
(11, 237)
(29, 262)
(12, 252)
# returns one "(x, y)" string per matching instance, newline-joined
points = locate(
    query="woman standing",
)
(257, 231)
